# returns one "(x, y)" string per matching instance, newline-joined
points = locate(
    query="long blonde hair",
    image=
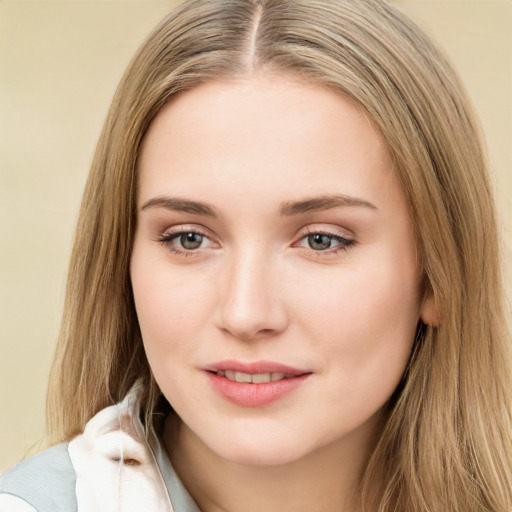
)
(446, 442)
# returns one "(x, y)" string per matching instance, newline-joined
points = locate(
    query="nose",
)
(251, 305)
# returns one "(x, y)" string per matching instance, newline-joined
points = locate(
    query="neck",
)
(326, 479)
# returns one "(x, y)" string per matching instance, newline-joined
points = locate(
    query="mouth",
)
(254, 384)
(253, 378)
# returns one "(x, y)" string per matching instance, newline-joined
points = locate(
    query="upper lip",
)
(254, 367)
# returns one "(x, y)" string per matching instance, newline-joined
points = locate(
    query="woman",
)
(287, 265)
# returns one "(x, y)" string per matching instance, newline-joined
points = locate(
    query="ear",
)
(429, 311)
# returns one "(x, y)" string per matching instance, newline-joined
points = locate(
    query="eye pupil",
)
(319, 242)
(191, 240)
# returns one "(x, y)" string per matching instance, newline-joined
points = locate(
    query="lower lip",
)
(254, 395)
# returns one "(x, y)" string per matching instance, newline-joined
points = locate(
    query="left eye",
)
(322, 242)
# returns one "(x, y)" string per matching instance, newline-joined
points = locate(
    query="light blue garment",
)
(106, 468)
(46, 481)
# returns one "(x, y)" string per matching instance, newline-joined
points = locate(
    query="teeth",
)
(256, 378)
(242, 377)
(259, 378)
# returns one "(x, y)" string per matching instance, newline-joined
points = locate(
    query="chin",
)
(259, 455)
(259, 448)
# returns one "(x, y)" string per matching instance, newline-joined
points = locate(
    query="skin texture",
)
(256, 290)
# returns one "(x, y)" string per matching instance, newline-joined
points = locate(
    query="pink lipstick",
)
(254, 384)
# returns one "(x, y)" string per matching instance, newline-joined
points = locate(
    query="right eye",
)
(184, 241)
(190, 241)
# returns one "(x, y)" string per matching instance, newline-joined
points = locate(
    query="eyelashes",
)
(185, 241)
(324, 242)
(190, 242)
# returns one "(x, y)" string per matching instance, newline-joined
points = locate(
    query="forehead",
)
(274, 135)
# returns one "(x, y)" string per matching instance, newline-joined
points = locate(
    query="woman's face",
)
(274, 247)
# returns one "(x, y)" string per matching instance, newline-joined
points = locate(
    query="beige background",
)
(60, 62)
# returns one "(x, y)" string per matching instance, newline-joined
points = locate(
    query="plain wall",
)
(60, 62)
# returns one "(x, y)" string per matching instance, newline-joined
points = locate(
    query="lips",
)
(254, 378)
(254, 384)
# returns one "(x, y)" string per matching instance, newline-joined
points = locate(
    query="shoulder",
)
(109, 466)
(10, 503)
(44, 482)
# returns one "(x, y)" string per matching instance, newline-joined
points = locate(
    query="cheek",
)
(172, 307)
(364, 321)
(364, 330)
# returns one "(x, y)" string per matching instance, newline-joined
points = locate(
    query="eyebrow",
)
(288, 208)
(322, 203)
(181, 205)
